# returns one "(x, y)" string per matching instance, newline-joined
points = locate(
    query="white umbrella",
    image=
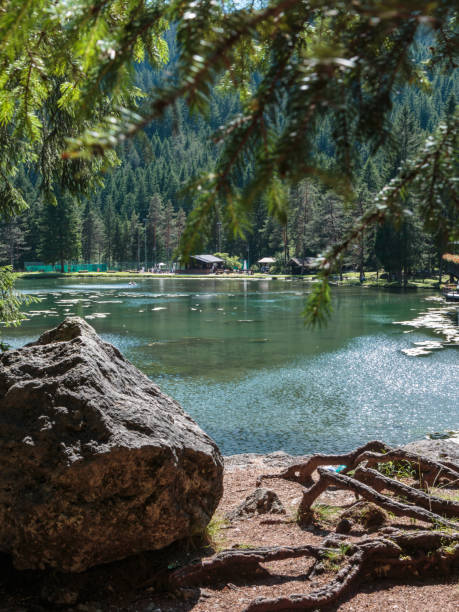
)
(267, 260)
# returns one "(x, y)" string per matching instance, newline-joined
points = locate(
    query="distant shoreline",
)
(140, 275)
(349, 279)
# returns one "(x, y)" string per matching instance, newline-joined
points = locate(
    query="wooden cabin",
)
(299, 265)
(204, 264)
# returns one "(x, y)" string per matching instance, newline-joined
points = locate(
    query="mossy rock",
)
(367, 514)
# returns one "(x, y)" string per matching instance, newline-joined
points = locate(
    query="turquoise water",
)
(238, 358)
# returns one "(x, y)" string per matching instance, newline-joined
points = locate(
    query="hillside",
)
(140, 212)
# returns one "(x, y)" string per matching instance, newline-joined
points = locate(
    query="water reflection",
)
(237, 356)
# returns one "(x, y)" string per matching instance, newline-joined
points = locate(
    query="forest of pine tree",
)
(140, 213)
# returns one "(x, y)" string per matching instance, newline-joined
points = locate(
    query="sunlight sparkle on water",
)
(238, 358)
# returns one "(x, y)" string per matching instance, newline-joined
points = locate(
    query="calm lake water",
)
(238, 358)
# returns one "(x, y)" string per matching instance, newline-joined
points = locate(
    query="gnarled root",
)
(344, 579)
(230, 563)
(390, 504)
(376, 557)
(391, 553)
(444, 507)
(302, 472)
(428, 470)
(399, 554)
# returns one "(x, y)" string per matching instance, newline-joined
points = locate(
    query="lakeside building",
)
(300, 265)
(203, 264)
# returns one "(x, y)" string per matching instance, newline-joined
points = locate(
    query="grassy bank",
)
(371, 280)
(349, 279)
(138, 276)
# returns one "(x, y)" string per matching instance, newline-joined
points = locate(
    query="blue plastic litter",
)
(333, 468)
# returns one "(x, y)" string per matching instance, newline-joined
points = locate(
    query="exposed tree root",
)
(400, 554)
(377, 557)
(390, 504)
(230, 563)
(302, 472)
(444, 507)
(450, 464)
(343, 581)
(390, 553)
(428, 470)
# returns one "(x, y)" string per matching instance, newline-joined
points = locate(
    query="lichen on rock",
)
(97, 463)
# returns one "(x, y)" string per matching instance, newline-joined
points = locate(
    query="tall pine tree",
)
(61, 231)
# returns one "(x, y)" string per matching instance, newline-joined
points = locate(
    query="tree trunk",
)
(285, 245)
(361, 273)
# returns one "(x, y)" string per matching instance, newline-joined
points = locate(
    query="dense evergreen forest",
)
(138, 216)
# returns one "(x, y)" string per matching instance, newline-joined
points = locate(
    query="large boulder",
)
(96, 462)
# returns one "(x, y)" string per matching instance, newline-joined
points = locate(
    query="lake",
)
(238, 358)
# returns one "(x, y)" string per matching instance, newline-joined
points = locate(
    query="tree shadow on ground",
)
(384, 585)
(111, 583)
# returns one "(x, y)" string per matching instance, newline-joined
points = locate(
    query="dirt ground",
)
(130, 585)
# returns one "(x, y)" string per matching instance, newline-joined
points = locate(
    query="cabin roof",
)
(307, 262)
(207, 258)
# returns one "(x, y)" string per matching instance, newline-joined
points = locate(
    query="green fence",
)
(38, 266)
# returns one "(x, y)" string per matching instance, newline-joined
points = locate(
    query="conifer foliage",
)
(309, 93)
(61, 233)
